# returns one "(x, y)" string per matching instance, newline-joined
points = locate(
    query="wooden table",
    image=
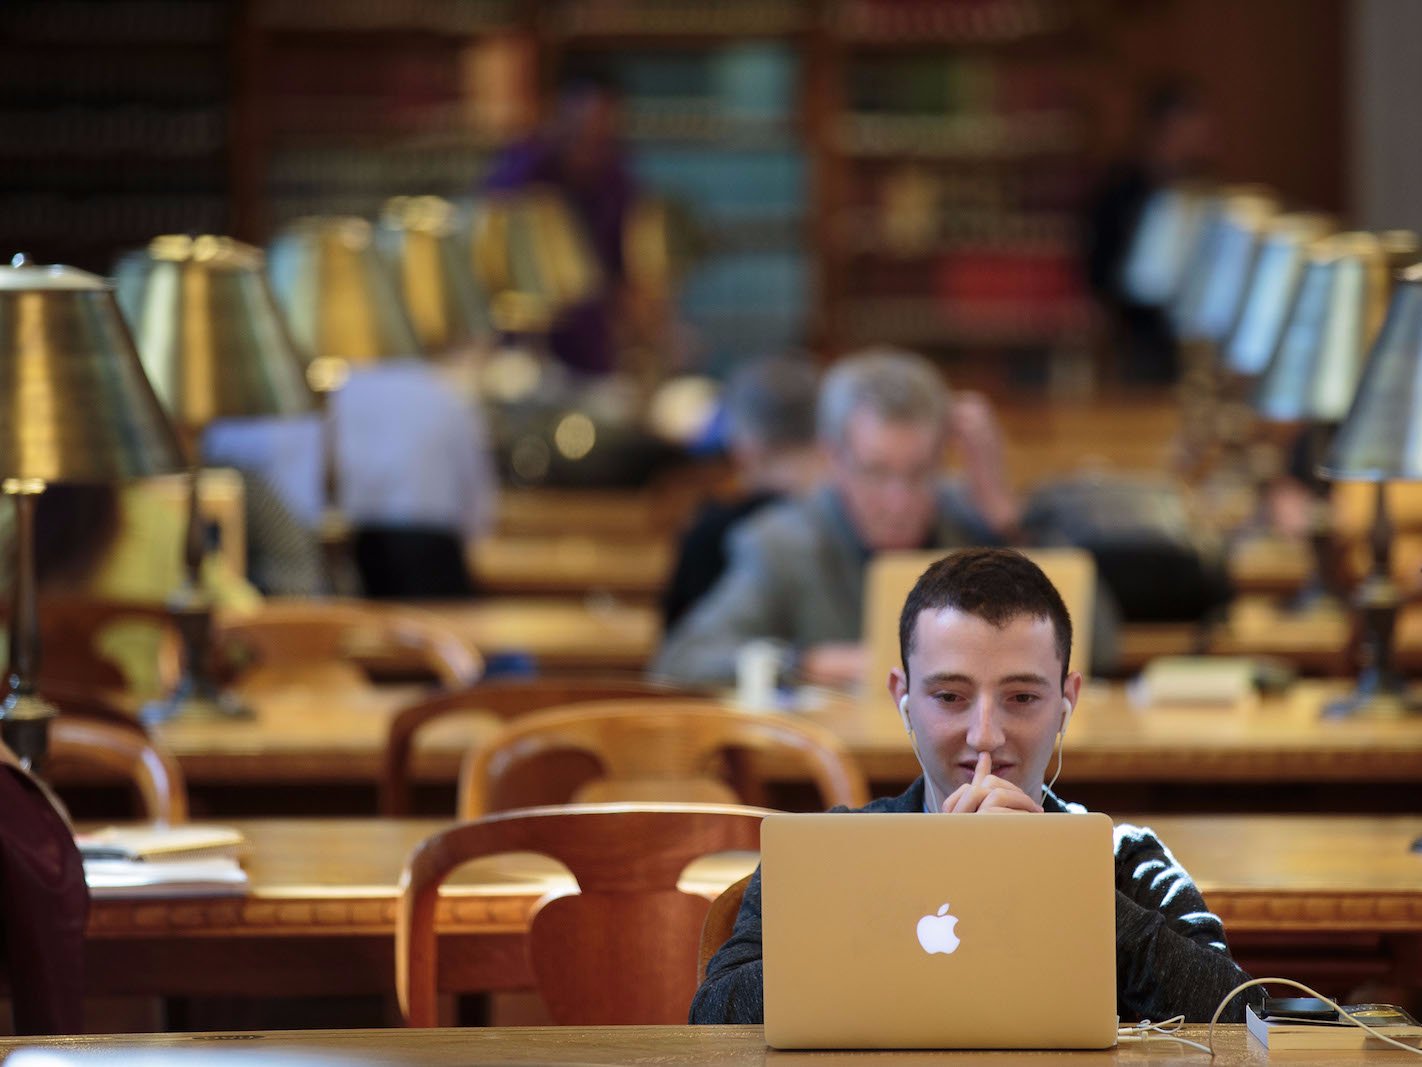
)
(654, 1046)
(573, 565)
(1277, 756)
(590, 634)
(1278, 741)
(321, 914)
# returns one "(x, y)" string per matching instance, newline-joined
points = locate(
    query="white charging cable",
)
(1146, 1031)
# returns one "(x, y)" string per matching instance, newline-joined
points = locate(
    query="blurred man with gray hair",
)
(796, 570)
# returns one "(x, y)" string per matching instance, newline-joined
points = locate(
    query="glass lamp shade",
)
(533, 258)
(340, 300)
(1220, 263)
(424, 239)
(77, 406)
(1341, 300)
(1273, 285)
(208, 330)
(1381, 436)
(1168, 229)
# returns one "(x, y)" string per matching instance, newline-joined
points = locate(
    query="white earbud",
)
(1061, 741)
(903, 713)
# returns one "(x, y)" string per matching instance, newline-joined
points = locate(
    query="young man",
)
(985, 641)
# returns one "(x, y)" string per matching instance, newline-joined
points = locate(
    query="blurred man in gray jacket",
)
(796, 571)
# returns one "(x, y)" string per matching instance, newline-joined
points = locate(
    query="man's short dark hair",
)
(995, 584)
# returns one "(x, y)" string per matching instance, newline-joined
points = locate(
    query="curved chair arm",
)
(719, 925)
(154, 772)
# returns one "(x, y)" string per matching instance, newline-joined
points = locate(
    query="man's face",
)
(885, 473)
(975, 688)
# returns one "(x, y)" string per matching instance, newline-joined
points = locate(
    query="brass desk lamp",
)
(1381, 441)
(77, 407)
(214, 346)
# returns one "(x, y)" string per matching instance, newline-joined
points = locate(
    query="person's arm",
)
(734, 989)
(1171, 955)
(984, 456)
(747, 603)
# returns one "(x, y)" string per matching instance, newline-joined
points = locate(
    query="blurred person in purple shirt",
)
(580, 154)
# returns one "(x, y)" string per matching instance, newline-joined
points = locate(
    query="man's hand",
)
(984, 456)
(988, 793)
(839, 665)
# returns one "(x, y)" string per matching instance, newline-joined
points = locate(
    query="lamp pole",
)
(24, 714)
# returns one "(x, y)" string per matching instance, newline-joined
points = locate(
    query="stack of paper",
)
(115, 879)
(1298, 1034)
(163, 861)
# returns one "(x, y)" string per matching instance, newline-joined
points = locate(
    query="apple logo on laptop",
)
(935, 932)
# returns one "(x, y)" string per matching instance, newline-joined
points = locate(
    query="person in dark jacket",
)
(986, 696)
(1174, 140)
(769, 411)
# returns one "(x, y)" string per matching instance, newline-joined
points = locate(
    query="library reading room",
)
(487, 487)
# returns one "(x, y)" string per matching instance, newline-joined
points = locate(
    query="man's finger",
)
(984, 767)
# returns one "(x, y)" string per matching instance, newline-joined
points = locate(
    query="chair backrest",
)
(620, 951)
(658, 751)
(720, 923)
(504, 698)
(892, 575)
(73, 633)
(92, 742)
(300, 633)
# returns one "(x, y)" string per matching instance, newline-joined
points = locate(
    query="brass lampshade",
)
(76, 408)
(1381, 437)
(77, 405)
(533, 258)
(1316, 365)
(208, 331)
(1166, 233)
(341, 303)
(425, 241)
(1273, 284)
(1209, 299)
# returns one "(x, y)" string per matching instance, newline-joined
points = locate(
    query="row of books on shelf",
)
(131, 75)
(124, 130)
(959, 231)
(118, 219)
(969, 135)
(639, 17)
(451, 17)
(168, 22)
(884, 21)
(946, 84)
(931, 323)
(952, 20)
(397, 168)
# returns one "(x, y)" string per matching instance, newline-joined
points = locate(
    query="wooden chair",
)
(620, 951)
(91, 742)
(657, 752)
(298, 635)
(503, 699)
(720, 924)
(73, 630)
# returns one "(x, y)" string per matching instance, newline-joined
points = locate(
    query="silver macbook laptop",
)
(945, 931)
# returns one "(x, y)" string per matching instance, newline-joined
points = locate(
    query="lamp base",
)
(1380, 703)
(193, 700)
(24, 727)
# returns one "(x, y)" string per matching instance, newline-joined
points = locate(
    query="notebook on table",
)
(956, 931)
